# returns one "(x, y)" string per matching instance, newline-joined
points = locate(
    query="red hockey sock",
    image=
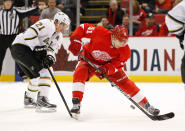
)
(78, 94)
(143, 102)
(131, 89)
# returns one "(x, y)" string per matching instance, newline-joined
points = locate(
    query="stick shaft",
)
(60, 92)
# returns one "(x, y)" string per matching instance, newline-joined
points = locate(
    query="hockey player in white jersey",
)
(34, 51)
(175, 21)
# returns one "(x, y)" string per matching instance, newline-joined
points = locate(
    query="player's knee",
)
(34, 81)
(33, 76)
(34, 73)
(81, 75)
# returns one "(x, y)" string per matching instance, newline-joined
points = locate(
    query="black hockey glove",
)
(181, 39)
(40, 52)
(48, 61)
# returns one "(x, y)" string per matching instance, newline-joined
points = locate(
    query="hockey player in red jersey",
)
(109, 51)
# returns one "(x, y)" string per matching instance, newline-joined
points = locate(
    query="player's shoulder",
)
(86, 25)
(44, 26)
(102, 30)
(49, 24)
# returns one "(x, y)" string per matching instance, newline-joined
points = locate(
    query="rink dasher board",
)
(153, 59)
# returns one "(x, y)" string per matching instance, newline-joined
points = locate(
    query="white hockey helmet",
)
(62, 18)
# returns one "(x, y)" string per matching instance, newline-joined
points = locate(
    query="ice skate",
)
(43, 105)
(151, 109)
(75, 111)
(29, 102)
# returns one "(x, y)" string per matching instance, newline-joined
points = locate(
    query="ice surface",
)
(104, 108)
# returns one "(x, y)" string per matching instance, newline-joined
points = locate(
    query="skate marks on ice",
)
(103, 108)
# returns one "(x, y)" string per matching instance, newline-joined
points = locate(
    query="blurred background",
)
(107, 13)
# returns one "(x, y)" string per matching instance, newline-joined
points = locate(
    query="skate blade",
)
(45, 110)
(29, 106)
(76, 116)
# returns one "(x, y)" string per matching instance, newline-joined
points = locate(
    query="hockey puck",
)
(131, 106)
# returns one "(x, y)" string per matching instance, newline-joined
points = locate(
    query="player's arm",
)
(27, 12)
(31, 37)
(52, 49)
(55, 45)
(84, 30)
(40, 52)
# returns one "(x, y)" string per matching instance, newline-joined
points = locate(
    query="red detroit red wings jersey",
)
(100, 50)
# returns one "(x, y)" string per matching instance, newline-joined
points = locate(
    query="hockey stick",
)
(155, 118)
(60, 92)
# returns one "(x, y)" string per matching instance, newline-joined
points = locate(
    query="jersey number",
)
(40, 26)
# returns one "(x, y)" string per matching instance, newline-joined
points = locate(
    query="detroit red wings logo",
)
(101, 55)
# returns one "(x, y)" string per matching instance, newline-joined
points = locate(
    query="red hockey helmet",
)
(120, 33)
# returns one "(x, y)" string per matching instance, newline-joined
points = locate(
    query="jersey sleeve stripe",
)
(32, 90)
(34, 30)
(33, 36)
(46, 78)
(30, 38)
(44, 84)
(172, 31)
(177, 21)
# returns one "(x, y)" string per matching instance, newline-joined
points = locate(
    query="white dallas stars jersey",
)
(42, 33)
(175, 18)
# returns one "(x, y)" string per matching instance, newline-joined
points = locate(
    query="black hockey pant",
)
(26, 60)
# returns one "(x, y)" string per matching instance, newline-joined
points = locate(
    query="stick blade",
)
(163, 117)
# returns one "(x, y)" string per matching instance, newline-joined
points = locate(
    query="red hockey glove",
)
(75, 46)
(107, 69)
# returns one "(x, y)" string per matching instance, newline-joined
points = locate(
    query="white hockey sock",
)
(32, 89)
(138, 97)
(44, 90)
(44, 86)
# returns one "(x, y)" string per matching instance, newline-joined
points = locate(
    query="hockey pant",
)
(84, 72)
(39, 77)
(26, 60)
